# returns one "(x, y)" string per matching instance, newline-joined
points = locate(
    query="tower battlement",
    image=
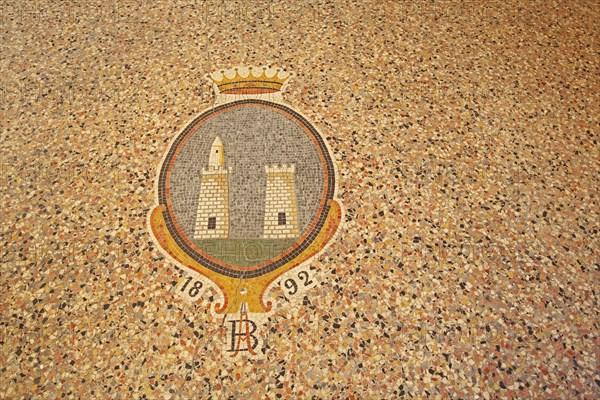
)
(216, 170)
(287, 169)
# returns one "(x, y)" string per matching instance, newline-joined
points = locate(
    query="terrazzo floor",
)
(465, 136)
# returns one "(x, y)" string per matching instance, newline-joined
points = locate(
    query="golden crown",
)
(249, 80)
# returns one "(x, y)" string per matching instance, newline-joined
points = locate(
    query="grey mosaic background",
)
(253, 137)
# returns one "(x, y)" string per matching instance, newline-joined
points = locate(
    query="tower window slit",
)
(281, 218)
(212, 222)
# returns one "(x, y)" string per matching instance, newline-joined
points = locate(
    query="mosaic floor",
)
(407, 208)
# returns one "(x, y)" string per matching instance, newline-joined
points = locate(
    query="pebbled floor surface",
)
(465, 135)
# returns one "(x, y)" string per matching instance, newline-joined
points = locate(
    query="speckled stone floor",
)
(465, 135)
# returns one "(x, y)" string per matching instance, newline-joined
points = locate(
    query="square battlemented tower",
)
(281, 210)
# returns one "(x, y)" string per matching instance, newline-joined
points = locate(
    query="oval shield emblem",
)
(246, 190)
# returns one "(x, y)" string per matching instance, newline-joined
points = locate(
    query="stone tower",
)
(281, 211)
(212, 218)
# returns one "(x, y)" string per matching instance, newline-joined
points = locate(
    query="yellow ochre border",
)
(233, 288)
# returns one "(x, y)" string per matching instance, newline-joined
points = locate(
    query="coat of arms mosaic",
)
(245, 193)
